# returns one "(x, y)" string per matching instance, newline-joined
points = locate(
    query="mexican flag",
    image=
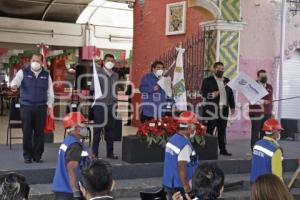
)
(44, 52)
(179, 90)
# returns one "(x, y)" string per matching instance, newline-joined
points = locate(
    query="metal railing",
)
(194, 63)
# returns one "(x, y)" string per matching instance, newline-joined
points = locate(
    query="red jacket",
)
(254, 110)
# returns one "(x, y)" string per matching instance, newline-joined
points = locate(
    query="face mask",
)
(263, 80)
(109, 65)
(83, 131)
(193, 134)
(219, 74)
(279, 136)
(35, 66)
(159, 72)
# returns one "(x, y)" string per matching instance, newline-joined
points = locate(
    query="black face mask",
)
(219, 74)
(264, 80)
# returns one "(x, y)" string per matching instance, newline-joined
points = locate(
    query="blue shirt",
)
(153, 102)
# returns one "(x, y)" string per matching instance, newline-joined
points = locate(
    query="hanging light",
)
(294, 6)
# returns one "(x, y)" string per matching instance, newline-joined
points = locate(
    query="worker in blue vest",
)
(72, 158)
(267, 154)
(36, 100)
(180, 158)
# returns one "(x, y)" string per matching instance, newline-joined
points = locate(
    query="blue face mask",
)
(83, 131)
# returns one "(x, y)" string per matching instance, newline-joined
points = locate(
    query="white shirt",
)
(262, 101)
(223, 95)
(185, 154)
(50, 93)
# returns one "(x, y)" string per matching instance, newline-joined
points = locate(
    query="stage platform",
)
(133, 178)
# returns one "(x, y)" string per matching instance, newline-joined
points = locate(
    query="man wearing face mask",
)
(267, 154)
(104, 111)
(180, 158)
(36, 100)
(152, 94)
(219, 100)
(262, 110)
(72, 159)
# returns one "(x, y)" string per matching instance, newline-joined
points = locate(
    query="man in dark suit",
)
(104, 111)
(262, 110)
(218, 99)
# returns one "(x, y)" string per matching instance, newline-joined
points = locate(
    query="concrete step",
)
(148, 170)
(130, 188)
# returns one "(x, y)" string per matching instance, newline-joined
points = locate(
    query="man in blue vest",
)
(267, 154)
(36, 100)
(72, 158)
(180, 157)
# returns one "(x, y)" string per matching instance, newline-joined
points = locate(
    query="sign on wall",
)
(176, 18)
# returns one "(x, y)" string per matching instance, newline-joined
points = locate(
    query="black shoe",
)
(225, 153)
(27, 161)
(38, 160)
(112, 157)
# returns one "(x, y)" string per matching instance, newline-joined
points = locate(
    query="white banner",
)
(179, 90)
(166, 84)
(252, 90)
(97, 88)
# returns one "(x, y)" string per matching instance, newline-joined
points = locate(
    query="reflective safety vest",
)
(61, 181)
(174, 146)
(263, 152)
(33, 90)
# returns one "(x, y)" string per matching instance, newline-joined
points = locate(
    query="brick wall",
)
(149, 39)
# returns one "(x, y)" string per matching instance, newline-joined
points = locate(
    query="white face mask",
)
(193, 134)
(35, 66)
(279, 136)
(109, 65)
(159, 72)
(84, 131)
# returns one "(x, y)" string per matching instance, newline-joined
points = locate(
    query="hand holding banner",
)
(252, 90)
(166, 84)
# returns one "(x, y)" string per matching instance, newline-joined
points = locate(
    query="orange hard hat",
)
(272, 125)
(73, 118)
(187, 117)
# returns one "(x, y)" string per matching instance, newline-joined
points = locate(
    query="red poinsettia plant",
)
(157, 131)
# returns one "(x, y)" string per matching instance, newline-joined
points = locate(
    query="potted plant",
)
(148, 144)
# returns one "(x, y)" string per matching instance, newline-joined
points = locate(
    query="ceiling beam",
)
(47, 9)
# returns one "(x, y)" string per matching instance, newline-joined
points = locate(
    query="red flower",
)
(164, 127)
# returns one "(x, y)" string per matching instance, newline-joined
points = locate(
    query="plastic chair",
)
(14, 121)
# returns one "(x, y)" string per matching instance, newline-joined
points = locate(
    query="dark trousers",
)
(221, 124)
(105, 117)
(256, 129)
(33, 122)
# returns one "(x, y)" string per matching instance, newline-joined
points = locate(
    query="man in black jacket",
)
(218, 99)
